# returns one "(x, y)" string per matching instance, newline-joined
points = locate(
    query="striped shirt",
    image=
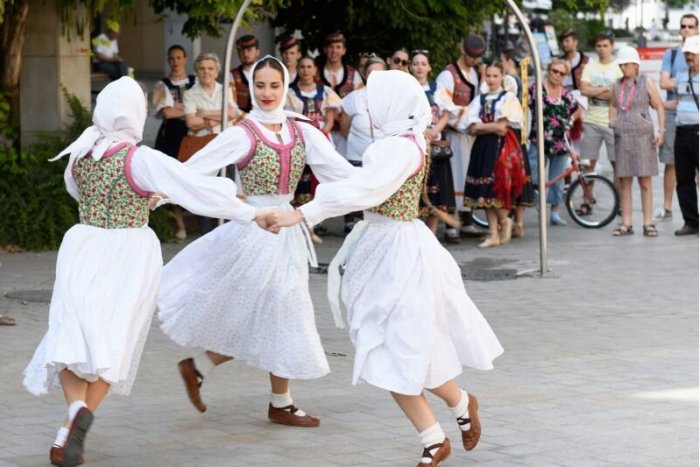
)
(687, 111)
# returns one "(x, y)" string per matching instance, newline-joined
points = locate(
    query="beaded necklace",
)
(626, 105)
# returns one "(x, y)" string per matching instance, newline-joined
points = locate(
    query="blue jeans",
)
(557, 165)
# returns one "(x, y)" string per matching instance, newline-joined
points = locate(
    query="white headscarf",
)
(120, 115)
(397, 103)
(278, 115)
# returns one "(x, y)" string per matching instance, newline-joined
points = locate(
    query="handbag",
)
(440, 150)
(191, 144)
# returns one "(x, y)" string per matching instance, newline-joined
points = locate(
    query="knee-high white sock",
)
(203, 364)
(73, 409)
(284, 400)
(61, 436)
(461, 410)
(429, 437)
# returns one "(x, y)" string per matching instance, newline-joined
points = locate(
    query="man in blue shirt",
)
(686, 144)
(672, 65)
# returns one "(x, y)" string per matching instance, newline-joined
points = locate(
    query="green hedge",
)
(35, 208)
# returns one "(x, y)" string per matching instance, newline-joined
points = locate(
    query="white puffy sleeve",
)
(386, 165)
(325, 162)
(153, 171)
(509, 108)
(331, 100)
(71, 187)
(473, 115)
(162, 98)
(229, 147)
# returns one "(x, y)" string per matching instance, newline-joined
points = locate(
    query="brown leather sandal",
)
(440, 455)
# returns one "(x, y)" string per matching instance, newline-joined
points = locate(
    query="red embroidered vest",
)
(241, 90)
(464, 90)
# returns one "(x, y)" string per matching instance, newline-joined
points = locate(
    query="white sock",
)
(461, 410)
(451, 232)
(429, 437)
(73, 409)
(203, 364)
(61, 436)
(284, 400)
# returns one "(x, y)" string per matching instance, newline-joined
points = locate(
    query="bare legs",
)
(217, 358)
(626, 199)
(669, 185)
(278, 384)
(77, 389)
(645, 188)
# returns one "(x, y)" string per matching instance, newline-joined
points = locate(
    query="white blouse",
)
(508, 107)
(233, 145)
(387, 164)
(153, 171)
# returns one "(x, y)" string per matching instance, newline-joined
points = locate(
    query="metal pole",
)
(544, 268)
(227, 73)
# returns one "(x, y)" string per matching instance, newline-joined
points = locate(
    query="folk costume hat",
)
(397, 104)
(474, 46)
(288, 42)
(278, 115)
(246, 41)
(119, 116)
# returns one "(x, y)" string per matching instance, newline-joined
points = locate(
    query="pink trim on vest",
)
(114, 149)
(271, 143)
(412, 137)
(129, 175)
(253, 144)
(301, 133)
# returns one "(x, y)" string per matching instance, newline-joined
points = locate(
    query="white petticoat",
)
(242, 291)
(409, 316)
(101, 309)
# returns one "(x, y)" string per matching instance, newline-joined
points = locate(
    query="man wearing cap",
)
(596, 84)
(686, 144)
(672, 65)
(290, 49)
(458, 86)
(343, 79)
(248, 53)
(577, 60)
(107, 59)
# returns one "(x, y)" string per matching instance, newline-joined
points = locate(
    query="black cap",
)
(246, 41)
(474, 46)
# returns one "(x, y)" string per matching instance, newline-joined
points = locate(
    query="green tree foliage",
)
(382, 26)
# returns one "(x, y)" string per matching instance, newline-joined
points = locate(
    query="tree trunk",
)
(12, 33)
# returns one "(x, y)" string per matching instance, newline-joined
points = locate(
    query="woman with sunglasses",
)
(439, 186)
(399, 60)
(558, 108)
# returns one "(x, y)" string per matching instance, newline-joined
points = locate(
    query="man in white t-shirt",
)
(596, 84)
(106, 57)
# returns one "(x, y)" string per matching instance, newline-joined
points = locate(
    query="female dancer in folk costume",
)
(243, 292)
(109, 265)
(496, 174)
(413, 326)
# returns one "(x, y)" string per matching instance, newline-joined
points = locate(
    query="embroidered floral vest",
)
(403, 204)
(464, 91)
(109, 198)
(272, 168)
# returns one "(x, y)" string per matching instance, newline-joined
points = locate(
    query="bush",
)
(587, 29)
(35, 208)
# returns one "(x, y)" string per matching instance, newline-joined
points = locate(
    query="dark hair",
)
(177, 47)
(497, 64)
(605, 36)
(306, 57)
(269, 62)
(424, 52)
(690, 15)
(512, 54)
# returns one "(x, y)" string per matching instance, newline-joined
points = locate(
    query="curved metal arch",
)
(544, 269)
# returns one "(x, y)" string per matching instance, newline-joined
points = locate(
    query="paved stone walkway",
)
(600, 369)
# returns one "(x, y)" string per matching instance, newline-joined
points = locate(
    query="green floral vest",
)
(403, 205)
(272, 168)
(109, 198)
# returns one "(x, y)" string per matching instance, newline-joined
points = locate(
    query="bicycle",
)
(591, 200)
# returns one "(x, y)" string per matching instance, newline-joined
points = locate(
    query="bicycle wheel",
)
(601, 197)
(479, 218)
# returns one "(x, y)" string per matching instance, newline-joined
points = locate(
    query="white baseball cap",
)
(627, 55)
(692, 45)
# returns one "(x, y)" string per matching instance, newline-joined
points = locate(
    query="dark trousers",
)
(686, 155)
(114, 70)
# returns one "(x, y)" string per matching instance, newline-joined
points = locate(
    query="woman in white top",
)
(242, 292)
(355, 125)
(109, 265)
(413, 326)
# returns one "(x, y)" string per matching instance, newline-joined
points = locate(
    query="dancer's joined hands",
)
(274, 219)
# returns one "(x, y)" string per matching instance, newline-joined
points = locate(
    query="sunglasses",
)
(688, 26)
(607, 34)
(367, 55)
(557, 72)
(425, 52)
(397, 61)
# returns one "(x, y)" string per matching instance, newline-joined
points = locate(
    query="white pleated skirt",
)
(243, 292)
(101, 308)
(409, 316)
